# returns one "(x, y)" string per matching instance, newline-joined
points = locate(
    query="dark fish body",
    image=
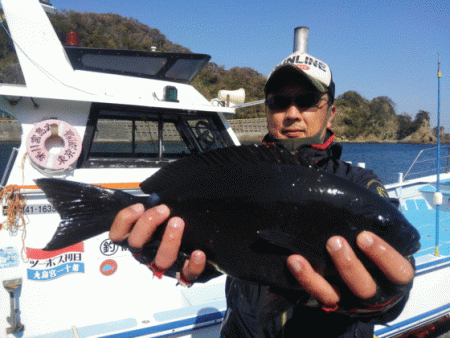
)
(248, 208)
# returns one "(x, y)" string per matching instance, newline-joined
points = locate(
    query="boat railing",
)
(425, 163)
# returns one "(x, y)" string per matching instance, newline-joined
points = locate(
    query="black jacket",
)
(245, 302)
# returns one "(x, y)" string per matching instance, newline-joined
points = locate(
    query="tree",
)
(421, 116)
(408, 127)
(352, 114)
(350, 99)
(405, 126)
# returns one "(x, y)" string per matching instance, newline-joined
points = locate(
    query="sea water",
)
(387, 160)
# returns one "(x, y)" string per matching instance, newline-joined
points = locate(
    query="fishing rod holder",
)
(13, 286)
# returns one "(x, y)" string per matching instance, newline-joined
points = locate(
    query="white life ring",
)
(53, 129)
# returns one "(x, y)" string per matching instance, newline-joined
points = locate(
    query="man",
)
(299, 100)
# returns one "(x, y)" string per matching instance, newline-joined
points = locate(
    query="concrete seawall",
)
(10, 130)
(249, 130)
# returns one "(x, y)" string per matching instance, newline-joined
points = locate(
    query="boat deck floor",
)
(424, 220)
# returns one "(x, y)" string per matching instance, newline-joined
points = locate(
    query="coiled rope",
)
(13, 204)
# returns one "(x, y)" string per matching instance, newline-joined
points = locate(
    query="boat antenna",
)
(437, 193)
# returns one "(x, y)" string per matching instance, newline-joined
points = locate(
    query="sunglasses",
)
(279, 102)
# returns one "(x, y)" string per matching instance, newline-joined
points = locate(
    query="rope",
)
(14, 203)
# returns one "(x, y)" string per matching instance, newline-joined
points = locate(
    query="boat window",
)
(125, 137)
(121, 137)
(185, 70)
(126, 64)
(174, 67)
(10, 140)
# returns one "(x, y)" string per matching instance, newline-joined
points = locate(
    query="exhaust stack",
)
(301, 37)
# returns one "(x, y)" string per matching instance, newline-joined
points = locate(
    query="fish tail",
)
(86, 210)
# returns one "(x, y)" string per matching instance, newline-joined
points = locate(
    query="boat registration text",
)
(35, 209)
(39, 209)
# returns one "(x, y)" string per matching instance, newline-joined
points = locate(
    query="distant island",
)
(357, 119)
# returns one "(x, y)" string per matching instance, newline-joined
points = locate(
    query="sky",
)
(376, 48)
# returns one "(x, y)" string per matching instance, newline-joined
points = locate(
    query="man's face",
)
(298, 122)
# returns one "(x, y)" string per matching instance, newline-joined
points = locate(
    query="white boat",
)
(95, 288)
(427, 311)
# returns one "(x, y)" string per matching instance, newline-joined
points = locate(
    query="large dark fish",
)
(248, 208)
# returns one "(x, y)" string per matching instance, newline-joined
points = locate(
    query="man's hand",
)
(357, 278)
(137, 225)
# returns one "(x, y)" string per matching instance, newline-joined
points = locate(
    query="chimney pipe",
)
(301, 37)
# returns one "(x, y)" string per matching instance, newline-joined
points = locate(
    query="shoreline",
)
(246, 130)
(253, 139)
(243, 138)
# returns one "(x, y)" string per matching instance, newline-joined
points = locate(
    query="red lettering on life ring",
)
(40, 155)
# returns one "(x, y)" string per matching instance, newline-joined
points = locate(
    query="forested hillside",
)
(357, 119)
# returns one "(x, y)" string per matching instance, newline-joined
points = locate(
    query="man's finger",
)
(170, 244)
(146, 225)
(389, 260)
(352, 271)
(194, 266)
(313, 283)
(124, 221)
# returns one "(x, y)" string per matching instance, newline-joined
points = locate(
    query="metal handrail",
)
(8, 168)
(431, 159)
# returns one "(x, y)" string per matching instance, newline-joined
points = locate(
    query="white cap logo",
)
(311, 66)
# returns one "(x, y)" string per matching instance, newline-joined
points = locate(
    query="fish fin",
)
(236, 155)
(293, 244)
(86, 210)
(282, 239)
